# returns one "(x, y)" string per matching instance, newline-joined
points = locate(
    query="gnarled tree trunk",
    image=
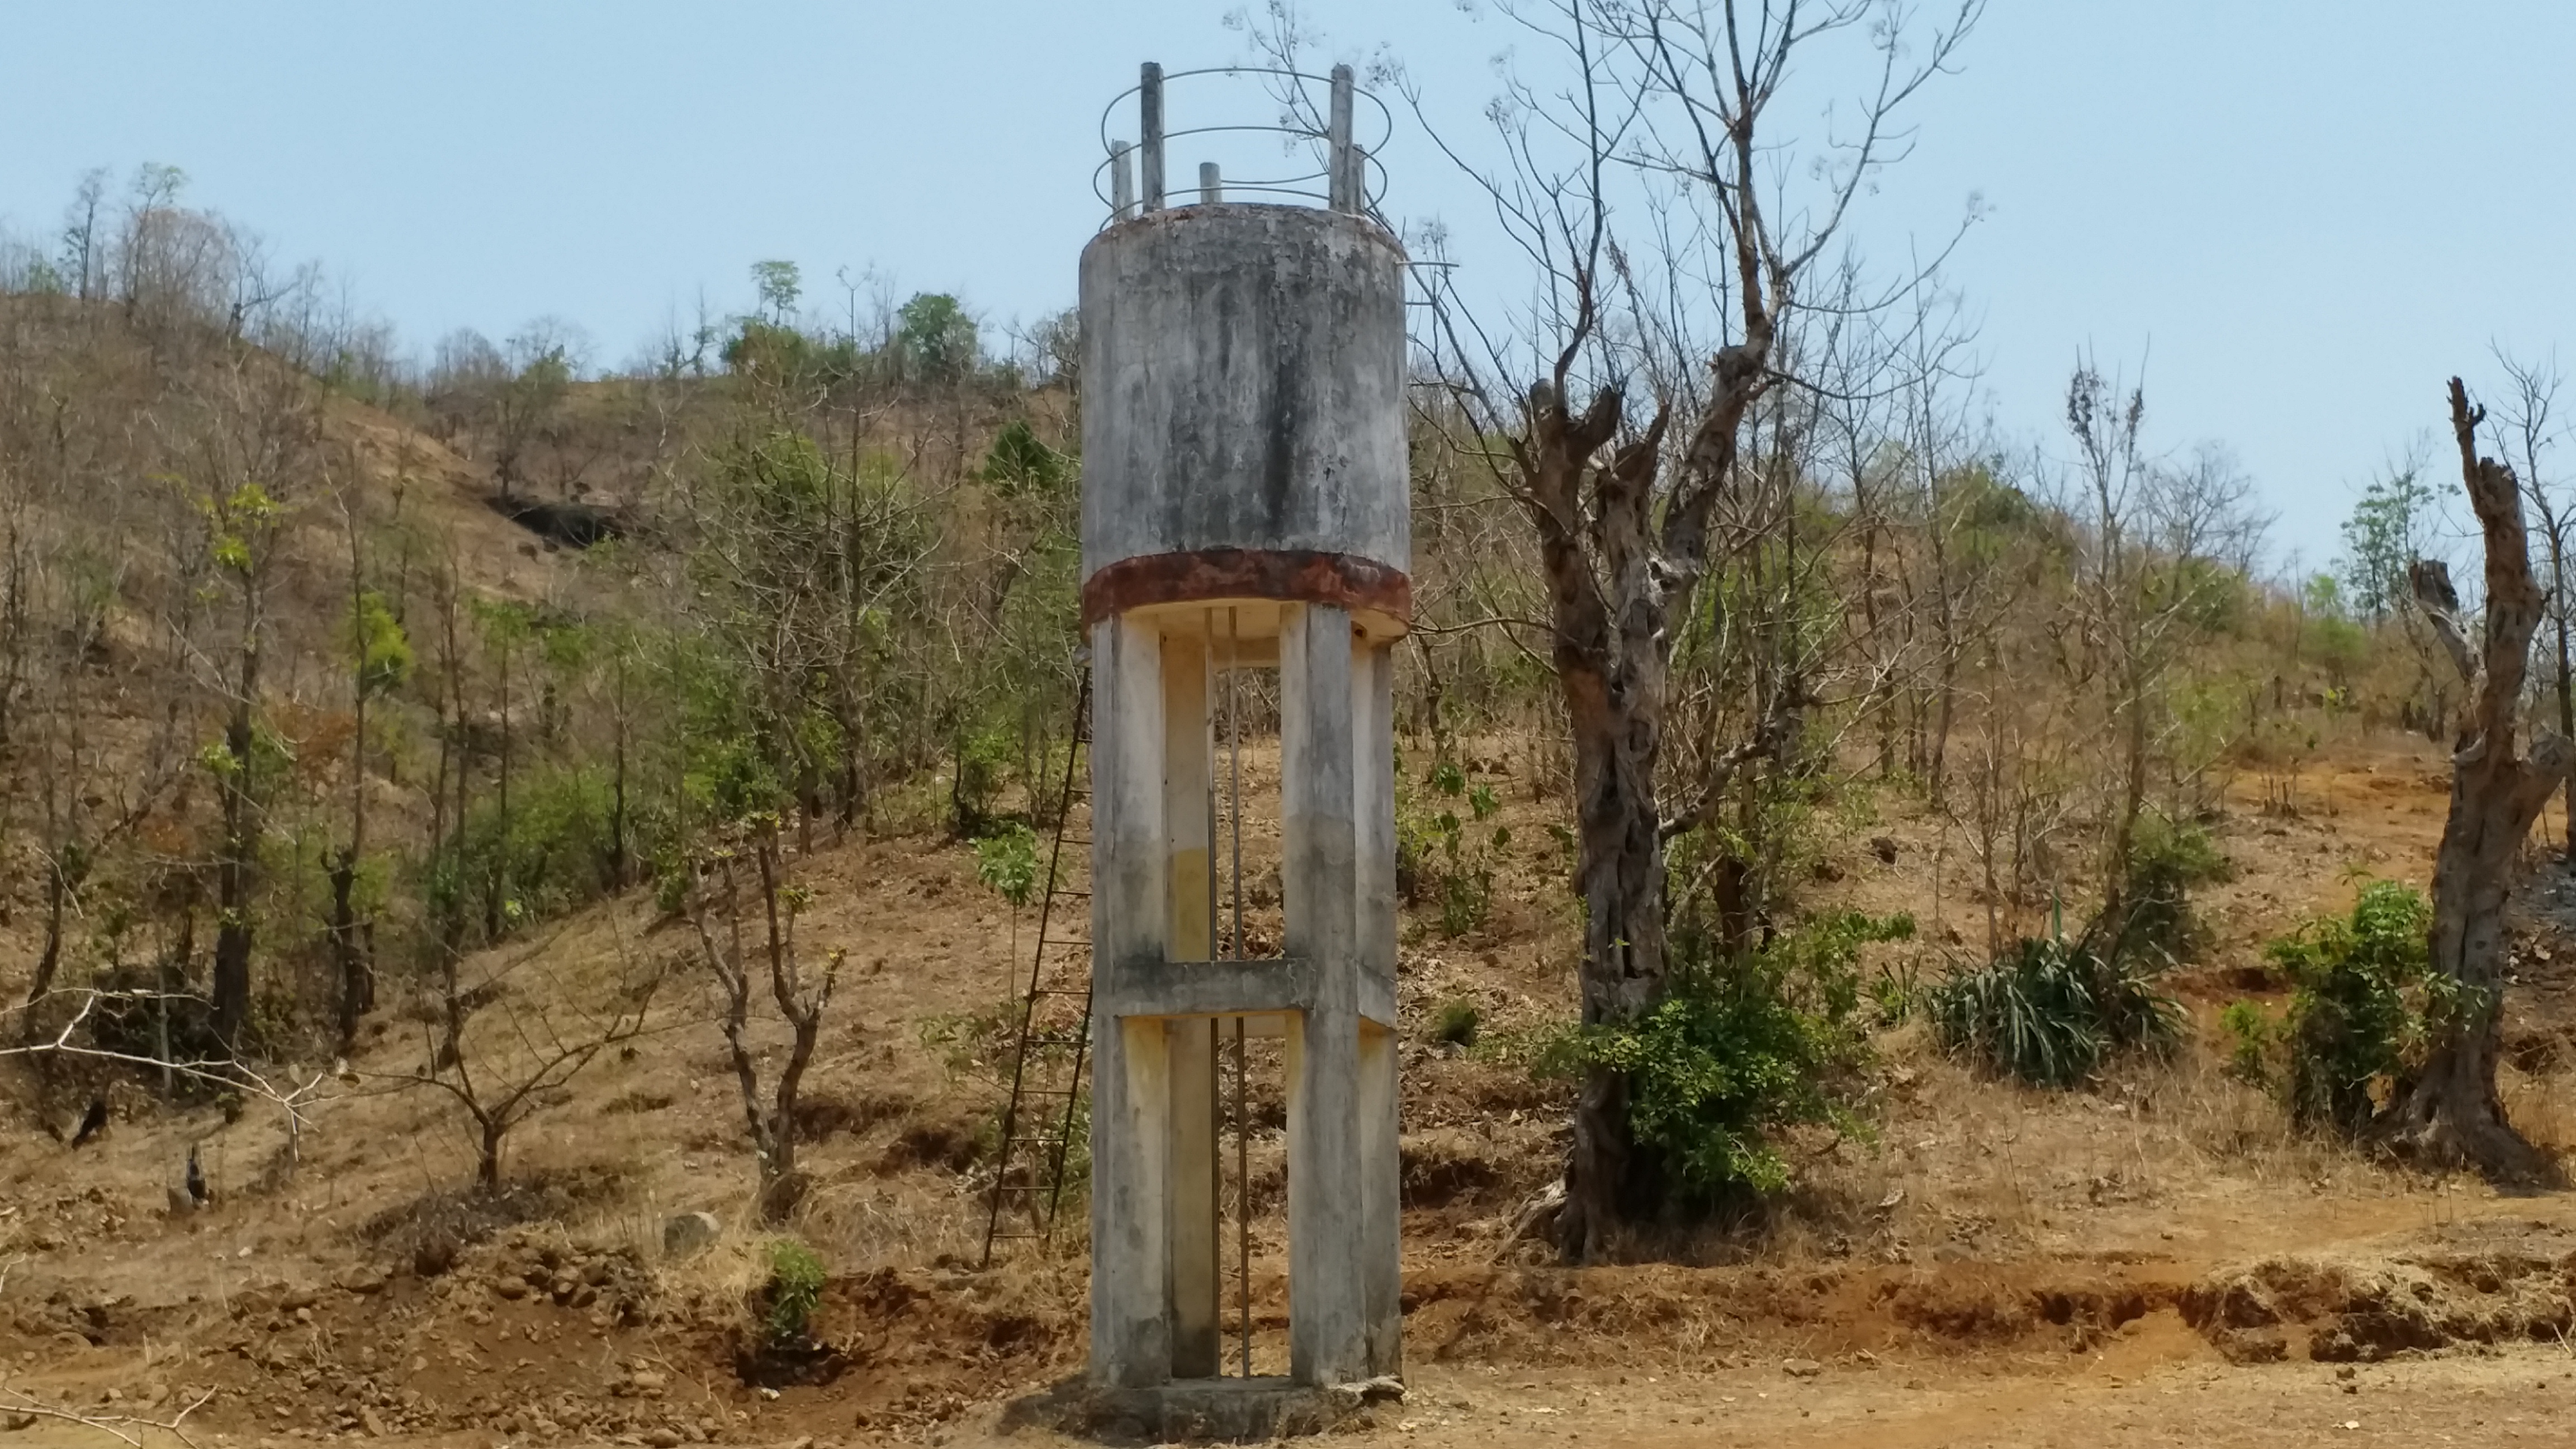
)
(2450, 1113)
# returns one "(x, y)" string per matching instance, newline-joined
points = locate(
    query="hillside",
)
(519, 780)
(1998, 1262)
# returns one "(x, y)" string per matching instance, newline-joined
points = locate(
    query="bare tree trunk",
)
(49, 961)
(357, 977)
(229, 995)
(2450, 1114)
(772, 1127)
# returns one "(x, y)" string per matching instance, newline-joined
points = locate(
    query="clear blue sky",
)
(2302, 214)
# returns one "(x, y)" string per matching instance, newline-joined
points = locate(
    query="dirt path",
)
(2522, 1396)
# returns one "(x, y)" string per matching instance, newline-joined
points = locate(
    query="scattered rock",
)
(1884, 847)
(688, 1233)
(1355, 1396)
(1801, 1368)
(662, 1438)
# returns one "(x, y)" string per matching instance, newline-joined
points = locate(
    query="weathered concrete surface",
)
(1131, 1321)
(1190, 1044)
(1280, 574)
(1243, 376)
(1243, 442)
(1241, 1411)
(1319, 770)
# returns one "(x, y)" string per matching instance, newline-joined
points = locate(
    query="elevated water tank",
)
(1243, 419)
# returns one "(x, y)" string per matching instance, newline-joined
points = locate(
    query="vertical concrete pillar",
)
(1327, 1294)
(1191, 1228)
(1131, 1344)
(1373, 808)
(1380, 1158)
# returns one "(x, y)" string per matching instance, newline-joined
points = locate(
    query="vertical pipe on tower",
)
(1337, 166)
(1149, 104)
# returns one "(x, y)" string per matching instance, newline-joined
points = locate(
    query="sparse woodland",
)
(290, 750)
(343, 683)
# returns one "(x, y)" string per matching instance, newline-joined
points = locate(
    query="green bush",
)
(1007, 861)
(2051, 1012)
(1451, 858)
(1455, 1023)
(2367, 1001)
(2252, 1036)
(794, 1290)
(983, 764)
(1739, 1051)
(1018, 462)
(2166, 859)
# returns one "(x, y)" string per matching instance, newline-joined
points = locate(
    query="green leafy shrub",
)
(1455, 1023)
(1007, 861)
(1018, 462)
(2051, 1012)
(1450, 858)
(2367, 1001)
(983, 763)
(2252, 1037)
(794, 1291)
(1739, 1051)
(2166, 859)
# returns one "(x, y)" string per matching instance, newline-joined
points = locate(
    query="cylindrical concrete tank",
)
(1243, 425)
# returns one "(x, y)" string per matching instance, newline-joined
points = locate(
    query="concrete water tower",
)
(1244, 506)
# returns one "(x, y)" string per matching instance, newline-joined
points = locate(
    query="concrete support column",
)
(1380, 1159)
(1191, 1207)
(1327, 1294)
(1131, 1342)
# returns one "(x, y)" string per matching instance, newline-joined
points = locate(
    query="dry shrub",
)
(636, 1101)
(1449, 1168)
(863, 1219)
(428, 1231)
(821, 1114)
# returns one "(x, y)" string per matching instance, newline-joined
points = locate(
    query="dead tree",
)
(2450, 1113)
(547, 1036)
(1662, 105)
(773, 1127)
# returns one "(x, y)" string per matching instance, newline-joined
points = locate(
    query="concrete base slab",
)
(1229, 1410)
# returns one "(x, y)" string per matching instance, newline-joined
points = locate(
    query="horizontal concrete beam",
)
(1256, 988)
(1211, 988)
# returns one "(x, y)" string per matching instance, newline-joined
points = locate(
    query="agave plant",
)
(2051, 1011)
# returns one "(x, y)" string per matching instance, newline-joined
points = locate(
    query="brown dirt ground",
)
(1998, 1267)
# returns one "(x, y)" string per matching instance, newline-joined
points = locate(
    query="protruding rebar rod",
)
(1211, 185)
(1149, 104)
(1207, 627)
(1338, 140)
(1242, 1119)
(1122, 180)
(1234, 766)
(1242, 1201)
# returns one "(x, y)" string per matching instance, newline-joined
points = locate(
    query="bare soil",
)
(2155, 1261)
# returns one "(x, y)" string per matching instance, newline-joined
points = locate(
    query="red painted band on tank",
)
(1290, 575)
